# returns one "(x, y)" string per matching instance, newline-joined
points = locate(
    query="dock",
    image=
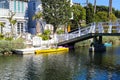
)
(26, 51)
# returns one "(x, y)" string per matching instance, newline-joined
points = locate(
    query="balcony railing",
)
(21, 15)
(5, 13)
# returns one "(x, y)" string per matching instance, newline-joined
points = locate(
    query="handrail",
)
(100, 27)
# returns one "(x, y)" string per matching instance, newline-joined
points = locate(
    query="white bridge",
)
(94, 29)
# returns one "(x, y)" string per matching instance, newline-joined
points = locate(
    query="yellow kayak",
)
(51, 50)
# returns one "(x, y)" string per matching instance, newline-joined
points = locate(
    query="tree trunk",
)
(94, 7)
(87, 2)
(55, 28)
(87, 11)
(110, 7)
(11, 30)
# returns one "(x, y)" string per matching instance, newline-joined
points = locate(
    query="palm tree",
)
(94, 7)
(37, 17)
(87, 2)
(2, 25)
(110, 7)
(12, 22)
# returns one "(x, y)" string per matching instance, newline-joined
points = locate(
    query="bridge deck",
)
(87, 36)
(95, 29)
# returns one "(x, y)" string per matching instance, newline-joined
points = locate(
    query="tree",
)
(2, 25)
(112, 17)
(12, 22)
(37, 17)
(117, 13)
(102, 16)
(89, 14)
(79, 14)
(105, 8)
(101, 8)
(56, 12)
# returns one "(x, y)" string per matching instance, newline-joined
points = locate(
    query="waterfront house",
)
(20, 9)
(35, 6)
(24, 11)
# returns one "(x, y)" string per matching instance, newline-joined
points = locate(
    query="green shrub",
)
(60, 31)
(45, 35)
(1, 36)
(47, 32)
(8, 38)
(18, 44)
(8, 46)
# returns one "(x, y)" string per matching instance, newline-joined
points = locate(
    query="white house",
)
(20, 8)
(24, 11)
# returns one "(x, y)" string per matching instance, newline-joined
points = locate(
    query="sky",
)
(116, 3)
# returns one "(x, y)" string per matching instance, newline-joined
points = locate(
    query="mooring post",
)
(100, 39)
(95, 40)
(96, 45)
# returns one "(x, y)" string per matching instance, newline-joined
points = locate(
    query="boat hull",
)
(52, 50)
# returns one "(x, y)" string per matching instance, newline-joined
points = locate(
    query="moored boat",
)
(52, 50)
(107, 44)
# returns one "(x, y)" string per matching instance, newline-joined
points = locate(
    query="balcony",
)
(4, 12)
(21, 15)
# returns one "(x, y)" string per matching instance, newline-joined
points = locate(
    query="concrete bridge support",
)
(97, 45)
(70, 46)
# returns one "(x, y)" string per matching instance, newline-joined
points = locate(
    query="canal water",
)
(75, 65)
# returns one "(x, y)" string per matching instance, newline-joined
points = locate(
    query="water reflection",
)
(100, 66)
(49, 67)
(11, 67)
(96, 58)
(75, 65)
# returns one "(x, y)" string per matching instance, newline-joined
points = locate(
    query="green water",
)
(74, 65)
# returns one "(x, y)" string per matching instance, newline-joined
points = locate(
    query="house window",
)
(19, 27)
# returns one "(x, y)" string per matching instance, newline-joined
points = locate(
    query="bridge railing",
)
(68, 36)
(107, 27)
(100, 27)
